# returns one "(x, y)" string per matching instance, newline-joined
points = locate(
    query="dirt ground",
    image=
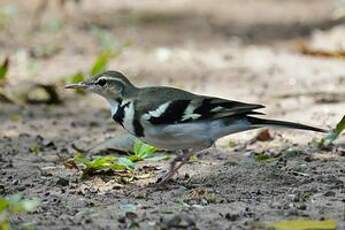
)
(239, 49)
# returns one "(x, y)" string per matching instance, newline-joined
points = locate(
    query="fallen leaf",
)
(304, 225)
(264, 135)
(28, 92)
(43, 94)
(306, 50)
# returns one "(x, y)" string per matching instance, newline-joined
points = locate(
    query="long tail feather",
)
(284, 124)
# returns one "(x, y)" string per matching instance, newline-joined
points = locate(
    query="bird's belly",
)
(178, 136)
(196, 135)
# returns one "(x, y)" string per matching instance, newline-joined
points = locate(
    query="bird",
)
(174, 119)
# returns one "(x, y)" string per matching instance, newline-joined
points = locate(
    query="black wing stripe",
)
(173, 113)
(205, 108)
(229, 108)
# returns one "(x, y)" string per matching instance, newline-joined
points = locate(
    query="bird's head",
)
(109, 84)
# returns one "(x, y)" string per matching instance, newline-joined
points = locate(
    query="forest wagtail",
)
(174, 119)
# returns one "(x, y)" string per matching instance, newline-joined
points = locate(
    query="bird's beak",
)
(80, 85)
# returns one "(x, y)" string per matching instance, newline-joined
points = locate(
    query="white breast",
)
(113, 106)
(129, 117)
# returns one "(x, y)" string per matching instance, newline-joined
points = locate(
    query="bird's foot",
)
(165, 178)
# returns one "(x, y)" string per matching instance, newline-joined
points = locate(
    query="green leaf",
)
(4, 69)
(334, 134)
(142, 151)
(134, 158)
(340, 126)
(304, 225)
(75, 78)
(263, 157)
(3, 204)
(124, 161)
(16, 204)
(13, 205)
(4, 224)
(101, 62)
(104, 162)
(30, 205)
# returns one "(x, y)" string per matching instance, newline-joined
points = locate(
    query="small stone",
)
(39, 139)
(15, 182)
(329, 194)
(122, 219)
(308, 159)
(2, 188)
(21, 188)
(232, 217)
(181, 221)
(62, 181)
(302, 206)
(48, 143)
(88, 221)
(204, 202)
(131, 215)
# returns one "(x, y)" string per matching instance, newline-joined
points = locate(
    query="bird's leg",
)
(174, 167)
(186, 156)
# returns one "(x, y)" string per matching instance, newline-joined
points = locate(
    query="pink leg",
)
(174, 167)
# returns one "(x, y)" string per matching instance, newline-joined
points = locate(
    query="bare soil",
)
(243, 50)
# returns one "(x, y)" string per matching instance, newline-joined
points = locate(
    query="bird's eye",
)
(101, 82)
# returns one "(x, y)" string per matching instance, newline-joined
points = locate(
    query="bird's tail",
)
(284, 124)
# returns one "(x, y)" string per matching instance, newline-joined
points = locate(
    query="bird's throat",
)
(114, 105)
(119, 111)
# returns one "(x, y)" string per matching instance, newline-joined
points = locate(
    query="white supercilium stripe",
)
(113, 79)
(129, 117)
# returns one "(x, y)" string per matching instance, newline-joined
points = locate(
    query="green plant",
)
(334, 134)
(14, 205)
(103, 163)
(142, 151)
(98, 66)
(110, 50)
(4, 69)
(102, 61)
(264, 157)
(76, 78)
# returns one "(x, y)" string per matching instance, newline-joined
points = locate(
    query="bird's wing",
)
(172, 109)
